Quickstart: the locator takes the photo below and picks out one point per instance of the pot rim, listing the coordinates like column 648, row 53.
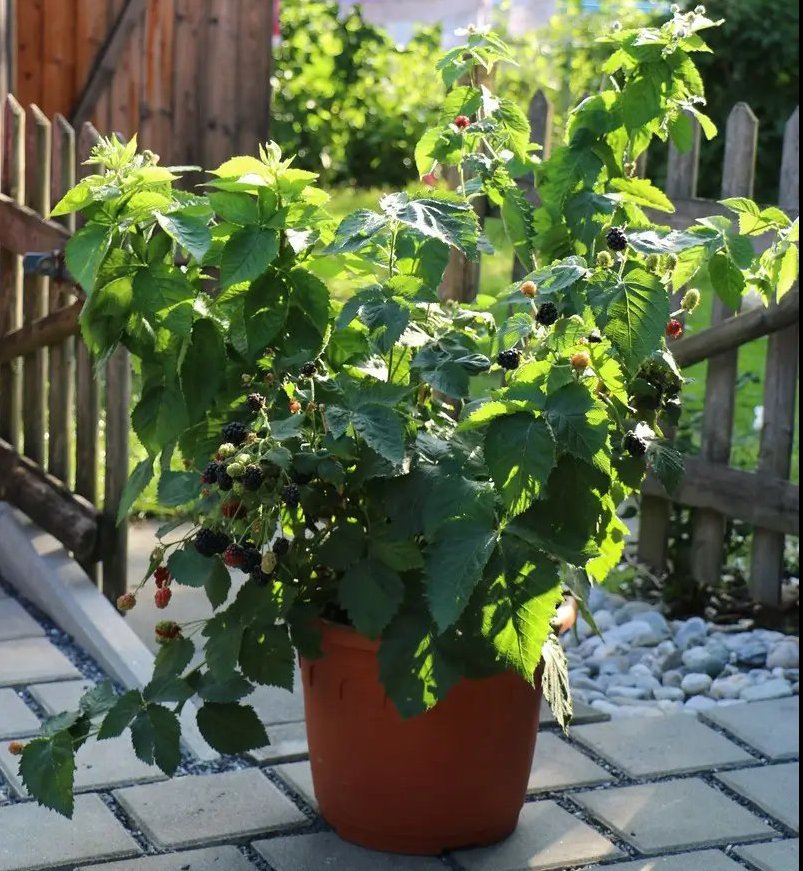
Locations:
column 346, row 636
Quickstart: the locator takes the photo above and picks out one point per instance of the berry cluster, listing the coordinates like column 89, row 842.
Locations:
column 616, row 239
column 209, row 542
column 547, row 314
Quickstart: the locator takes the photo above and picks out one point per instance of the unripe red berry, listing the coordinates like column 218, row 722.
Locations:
column 674, row 329
column 295, row 406
column 233, row 508
column 166, row 630
column 126, row 602
column 461, row 122
column 162, row 597
column 529, row 289
column 580, row 360
column 15, row 748
column 161, row 575
column 429, row 179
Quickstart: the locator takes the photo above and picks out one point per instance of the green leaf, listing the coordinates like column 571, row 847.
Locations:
column 371, row 593
column 642, row 192
column 178, row 488
column 445, row 217
column 356, row 231
column 120, row 715
column 517, row 612
column 100, row 699
column 265, row 310
column 190, row 231
column 159, row 416
column 238, row 208
column 211, row 690
column 555, row 682
column 727, row 280
column 138, row 480
column 578, row 422
column 399, row 554
column 173, row 657
column 667, row 465
column 104, row 316
column 155, row 734
column 202, row 368
column 224, row 635
column 520, row 454
column 247, row 254
column 231, row 728
column 85, row 251
column 188, row 567
column 640, row 102
column 159, row 286
column 344, row 545
column 454, row 562
column 382, row 429
column 266, row 656
column 517, row 216
column 514, row 330
column 76, row 198
column 47, row 769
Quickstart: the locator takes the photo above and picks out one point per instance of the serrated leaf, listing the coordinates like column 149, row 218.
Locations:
column 454, row 562
column 190, row 231
column 120, row 715
column 266, row 656
column 47, row 769
column 188, row 567
column 178, row 488
column 211, row 690
column 402, row 555
column 371, row 593
column 579, row 424
column 356, row 231
column 727, row 280
column 138, row 480
column 517, row 216
column 224, row 635
column 642, row 192
column 238, row 208
column 85, row 252
column 99, row 699
column 231, row 728
column 382, row 429
column 447, row 218
column 555, row 682
column 520, row 454
column 202, row 368
column 247, row 254
column 667, row 465
column 155, row 734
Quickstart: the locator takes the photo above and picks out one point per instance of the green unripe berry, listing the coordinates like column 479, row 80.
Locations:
column 690, row 301
column 604, row 260
column 671, row 262
column 227, row 450
column 242, row 459
column 237, row 488
column 235, row 470
column 653, row 262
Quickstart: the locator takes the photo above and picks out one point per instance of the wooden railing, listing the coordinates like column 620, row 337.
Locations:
column 62, row 420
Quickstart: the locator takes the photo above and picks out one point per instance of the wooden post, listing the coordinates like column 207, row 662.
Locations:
column 12, row 183
column 720, row 388
column 219, row 90
column 114, row 537
column 780, row 395
column 539, row 115
column 253, row 75
column 61, row 361
column 656, row 514
column 35, row 291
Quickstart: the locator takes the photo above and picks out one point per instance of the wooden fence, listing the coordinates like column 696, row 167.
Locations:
column 55, row 432
column 765, row 498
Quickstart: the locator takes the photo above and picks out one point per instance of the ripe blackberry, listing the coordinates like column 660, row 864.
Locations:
column 234, row 432
column 547, row 314
column 252, row 559
column 291, row 495
column 255, row 402
column 595, row 337
column 260, row 578
column 209, row 541
column 253, row 477
column 635, row 445
column 508, row 359
column 616, row 239
column 281, row 546
column 224, row 480
column 209, row 475
column 309, row 369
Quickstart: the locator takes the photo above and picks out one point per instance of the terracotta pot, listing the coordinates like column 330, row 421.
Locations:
column 455, row 776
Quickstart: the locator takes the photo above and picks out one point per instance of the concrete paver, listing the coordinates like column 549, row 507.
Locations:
column 775, row 856
column 30, row 660
column 277, row 705
column 60, row 696
column 558, row 765
column 211, row 859
column 703, row 860
column 676, row 744
column 774, row 788
column 17, row 720
column 298, row 775
column 199, row 809
column 772, row 727
column 34, row 837
column 16, row 622
column 547, row 837
column 673, row 815
column 582, row 714
column 325, row 850
column 288, row 742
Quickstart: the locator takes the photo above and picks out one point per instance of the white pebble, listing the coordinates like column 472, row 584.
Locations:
column 696, row 683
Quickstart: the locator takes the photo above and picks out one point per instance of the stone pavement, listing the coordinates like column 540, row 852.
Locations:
column 680, row 793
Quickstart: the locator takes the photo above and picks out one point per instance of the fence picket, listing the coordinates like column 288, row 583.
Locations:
column 708, row 532
column 12, row 183
column 780, row 395
column 36, row 290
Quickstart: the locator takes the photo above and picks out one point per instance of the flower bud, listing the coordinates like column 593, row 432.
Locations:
column 690, row 301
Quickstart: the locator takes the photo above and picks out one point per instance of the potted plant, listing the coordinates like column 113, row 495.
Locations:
column 407, row 485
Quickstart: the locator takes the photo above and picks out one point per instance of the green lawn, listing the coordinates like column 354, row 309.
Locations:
column 495, row 274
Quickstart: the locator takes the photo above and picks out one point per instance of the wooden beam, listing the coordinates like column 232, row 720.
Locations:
column 49, row 330
column 762, row 500
column 22, row 229
column 106, row 61
column 49, row 503
column 736, row 331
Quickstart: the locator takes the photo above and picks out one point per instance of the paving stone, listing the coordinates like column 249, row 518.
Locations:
column 288, row 742
column 547, row 837
column 774, row 788
column 327, row 850
column 703, row 860
column 557, row 765
column 31, row 660
column 674, row 744
column 190, row 811
column 16, row 622
column 298, row 775
column 582, row 714
column 98, row 765
column 775, row 856
column 34, row 837
column 275, row 705
column 211, row 859
column 772, row 727
column 17, row 720
column 673, row 815
column 62, row 695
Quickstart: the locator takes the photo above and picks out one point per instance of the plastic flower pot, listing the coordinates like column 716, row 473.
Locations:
column 455, row 776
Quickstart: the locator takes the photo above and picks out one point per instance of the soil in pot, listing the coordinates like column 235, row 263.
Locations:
column 455, row 776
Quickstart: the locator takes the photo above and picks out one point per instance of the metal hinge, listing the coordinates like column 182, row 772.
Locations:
column 47, row 263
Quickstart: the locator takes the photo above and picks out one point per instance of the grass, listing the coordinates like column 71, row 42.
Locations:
column 495, row 274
